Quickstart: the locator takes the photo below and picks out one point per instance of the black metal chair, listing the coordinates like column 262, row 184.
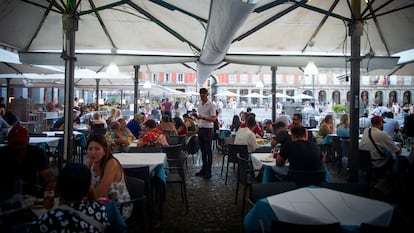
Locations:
column 345, row 147
column 143, row 173
column 136, row 189
column 306, row 178
column 245, row 175
column 226, row 155
column 175, row 170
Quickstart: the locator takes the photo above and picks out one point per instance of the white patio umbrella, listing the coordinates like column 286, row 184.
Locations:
column 254, row 95
column 280, row 95
column 302, row 96
column 227, row 93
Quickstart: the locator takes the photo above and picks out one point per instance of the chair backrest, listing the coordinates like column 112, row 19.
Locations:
column 235, row 150
column 306, row 178
column 177, row 139
column 240, row 155
column 192, row 145
column 144, row 149
column 142, row 173
column 98, row 129
column 136, row 187
column 286, row 227
column 175, row 159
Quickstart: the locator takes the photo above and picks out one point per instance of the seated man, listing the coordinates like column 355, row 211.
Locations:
column 302, row 154
column 280, row 134
column 72, row 214
column 246, row 136
column 19, row 160
column 382, row 149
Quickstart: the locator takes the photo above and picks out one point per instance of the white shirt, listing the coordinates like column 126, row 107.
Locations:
column 390, row 126
column 245, row 136
column 208, row 109
column 383, row 142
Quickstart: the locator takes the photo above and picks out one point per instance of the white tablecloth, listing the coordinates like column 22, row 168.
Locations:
column 318, row 205
column 129, row 160
column 48, row 140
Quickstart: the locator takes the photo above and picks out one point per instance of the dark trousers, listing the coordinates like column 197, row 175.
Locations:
column 205, row 136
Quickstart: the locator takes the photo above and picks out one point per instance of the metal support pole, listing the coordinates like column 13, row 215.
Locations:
column 70, row 26
column 97, row 93
column 273, row 69
column 136, row 90
column 356, row 29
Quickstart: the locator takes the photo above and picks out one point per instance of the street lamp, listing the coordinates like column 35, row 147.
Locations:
column 312, row 70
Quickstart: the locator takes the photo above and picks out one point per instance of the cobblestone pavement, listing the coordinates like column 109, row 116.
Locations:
column 212, row 205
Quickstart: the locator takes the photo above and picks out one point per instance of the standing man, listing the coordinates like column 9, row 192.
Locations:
column 206, row 117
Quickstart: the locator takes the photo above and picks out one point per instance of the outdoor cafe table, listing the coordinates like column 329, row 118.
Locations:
column 42, row 141
column 77, row 134
column 315, row 205
column 154, row 160
column 268, row 163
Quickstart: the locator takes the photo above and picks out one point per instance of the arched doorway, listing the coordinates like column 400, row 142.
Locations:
column 407, row 97
column 348, row 97
column 378, row 98
column 392, row 98
column 212, row 85
column 322, row 97
column 364, row 98
column 336, row 97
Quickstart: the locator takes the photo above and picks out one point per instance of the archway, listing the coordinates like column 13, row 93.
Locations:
column 378, row 98
column 336, row 97
column 407, row 97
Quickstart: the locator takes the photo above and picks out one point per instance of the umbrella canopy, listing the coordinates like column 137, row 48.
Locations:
column 302, row 96
column 254, row 95
column 227, row 93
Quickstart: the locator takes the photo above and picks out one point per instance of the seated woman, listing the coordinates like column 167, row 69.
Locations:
column 152, row 136
column 342, row 129
column 107, row 173
column 167, row 126
column 180, row 126
column 73, row 184
column 116, row 138
column 326, row 127
column 235, row 124
column 189, row 123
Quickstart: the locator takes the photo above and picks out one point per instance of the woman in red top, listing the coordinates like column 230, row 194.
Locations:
column 152, row 136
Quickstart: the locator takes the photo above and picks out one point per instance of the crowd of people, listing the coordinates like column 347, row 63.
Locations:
column 104, row 175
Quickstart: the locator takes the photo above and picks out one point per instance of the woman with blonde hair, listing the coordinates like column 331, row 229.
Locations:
column 342, row 129
column 326, row 127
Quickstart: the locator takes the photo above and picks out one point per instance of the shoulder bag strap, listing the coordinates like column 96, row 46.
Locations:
column 375, row 145
column 85, row 217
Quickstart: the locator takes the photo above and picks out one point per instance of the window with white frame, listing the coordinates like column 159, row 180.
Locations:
column 180, row 78
column 244, row 78
column 154, row 78
column 167, row 78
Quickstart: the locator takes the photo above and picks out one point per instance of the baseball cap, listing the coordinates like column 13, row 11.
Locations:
column 377, row 119
column 18, row 134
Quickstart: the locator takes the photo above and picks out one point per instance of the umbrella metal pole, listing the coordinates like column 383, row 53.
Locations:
column 136, row 91
column 70, row 26
column 356, row 29
column 273, row 69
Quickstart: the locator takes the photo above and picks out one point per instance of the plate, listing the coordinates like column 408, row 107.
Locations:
column 267, row 160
